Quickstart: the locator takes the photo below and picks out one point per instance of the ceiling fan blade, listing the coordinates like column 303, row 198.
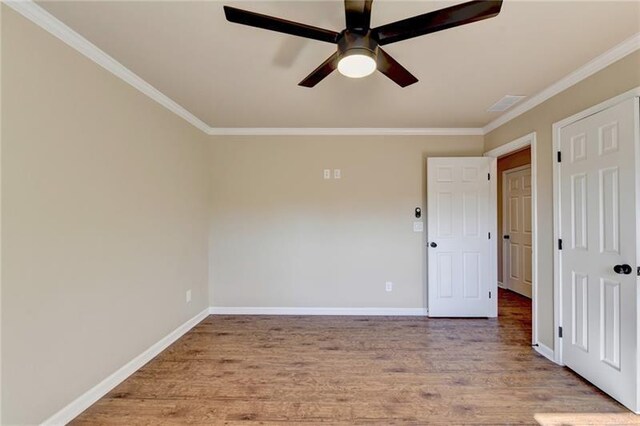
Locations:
column 392, row 69
column 266, row 22
column 358, row 14
column 326, row 68
column 438, row 20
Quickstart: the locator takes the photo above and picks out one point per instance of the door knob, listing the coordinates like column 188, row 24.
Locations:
column 623, row 269
column 433, row 245
column 506, row 237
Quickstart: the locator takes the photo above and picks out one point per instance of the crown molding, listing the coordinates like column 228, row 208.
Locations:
column 36, row 14
column 604, row 60
column 32, row 11
column 344, row 131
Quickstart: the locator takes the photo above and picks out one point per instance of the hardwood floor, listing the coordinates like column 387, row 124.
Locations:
column 352, row 370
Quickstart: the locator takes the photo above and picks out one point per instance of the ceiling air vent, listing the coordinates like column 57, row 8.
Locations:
column 505, row 103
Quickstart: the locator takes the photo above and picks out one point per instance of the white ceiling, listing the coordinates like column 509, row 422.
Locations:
column 230, row 75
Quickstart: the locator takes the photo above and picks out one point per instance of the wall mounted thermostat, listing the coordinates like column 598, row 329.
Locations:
column 418, row 212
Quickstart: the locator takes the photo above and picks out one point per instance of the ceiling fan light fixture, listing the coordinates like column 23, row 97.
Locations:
column 358, row 64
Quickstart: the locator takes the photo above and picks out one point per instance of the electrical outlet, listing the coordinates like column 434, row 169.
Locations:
column 388, row 286
column 418, row 226
column 337, row 174
column 188, row 296
column 327, row 173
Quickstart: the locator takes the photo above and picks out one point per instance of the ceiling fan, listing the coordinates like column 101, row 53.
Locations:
column 359, row 53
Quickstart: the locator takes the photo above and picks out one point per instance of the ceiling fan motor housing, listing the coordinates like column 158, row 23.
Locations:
column 352, row 43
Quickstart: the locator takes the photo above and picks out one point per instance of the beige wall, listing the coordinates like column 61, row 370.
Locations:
column 281, row 236
column 613, row 80
column 104, row 220
column 511, row 161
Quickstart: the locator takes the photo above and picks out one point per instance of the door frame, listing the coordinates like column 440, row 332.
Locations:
column 504, row 223
column 557, row 231
column 529, row 140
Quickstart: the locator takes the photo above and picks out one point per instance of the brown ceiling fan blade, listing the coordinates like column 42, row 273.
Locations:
column 392, row 69
column 258, row 20
column 460, row 14
column 358, row 15
column 326, row 68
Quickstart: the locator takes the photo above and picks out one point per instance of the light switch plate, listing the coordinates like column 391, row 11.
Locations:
column 337, row 174
column 388, row 286
column 327, row 173
column 418, row 226
column 188, row 296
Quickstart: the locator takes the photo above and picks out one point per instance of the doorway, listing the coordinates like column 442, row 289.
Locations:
column 515, row 156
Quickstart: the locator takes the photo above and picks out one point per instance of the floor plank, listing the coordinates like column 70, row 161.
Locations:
column 353, row 370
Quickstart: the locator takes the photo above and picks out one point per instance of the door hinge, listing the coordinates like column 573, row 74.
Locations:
column 560, row 332
column 560, row 244
column 488, row 176
column 559, row 157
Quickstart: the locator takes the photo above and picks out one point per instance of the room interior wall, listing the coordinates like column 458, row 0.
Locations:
column 282, row 236
column 104, row 220
column 613, row 80
column 511, row 161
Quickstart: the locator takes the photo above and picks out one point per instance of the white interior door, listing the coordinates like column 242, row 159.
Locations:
column 459, row 219
column 517, row 254
column 598, row 213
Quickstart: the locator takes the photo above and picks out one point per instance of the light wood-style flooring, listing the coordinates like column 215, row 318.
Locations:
column 352, row 370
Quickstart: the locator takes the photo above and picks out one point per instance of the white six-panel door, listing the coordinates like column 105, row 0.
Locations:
column 459, row 249
column 599, row 232
column 517, row 248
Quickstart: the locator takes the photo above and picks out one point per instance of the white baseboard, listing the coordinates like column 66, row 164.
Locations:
column 501, row 285
column 220, row 310
column 545, row 351
column 85, row 400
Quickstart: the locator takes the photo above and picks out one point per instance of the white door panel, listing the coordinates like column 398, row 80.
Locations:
column 458, row 226
column 517, row 252
column 598, row 226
